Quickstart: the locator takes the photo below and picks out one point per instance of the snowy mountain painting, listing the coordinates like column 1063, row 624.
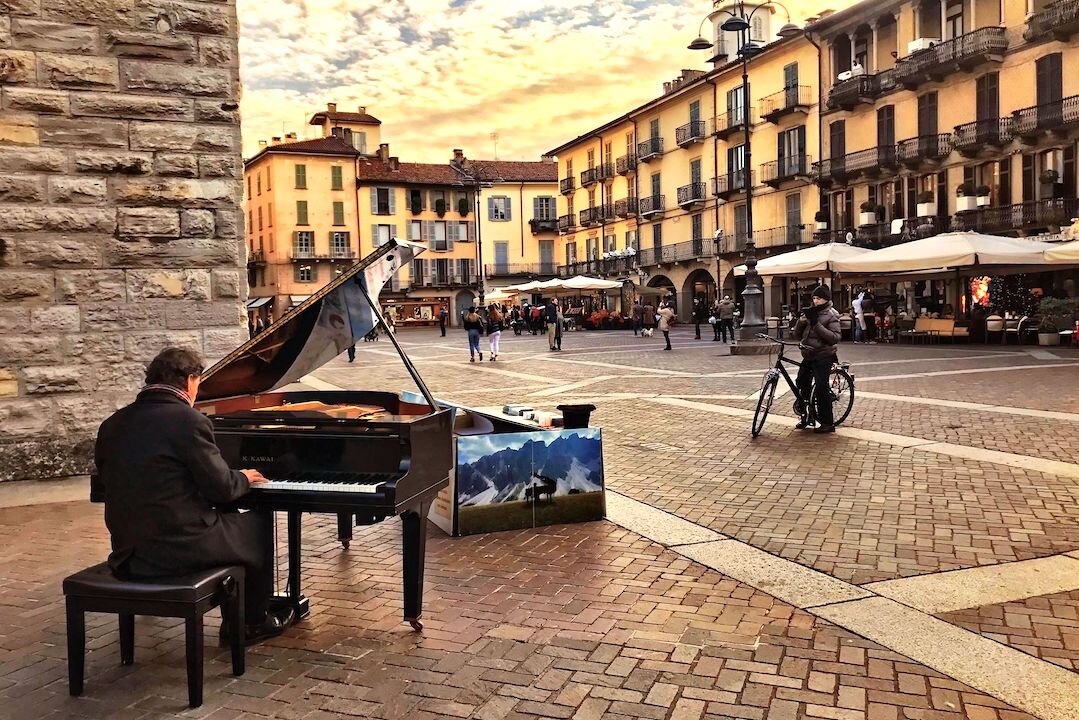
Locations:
column 521, row 480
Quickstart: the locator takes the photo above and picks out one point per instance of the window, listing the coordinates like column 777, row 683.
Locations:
column 736, row 165
column 655, row 185
column 438, row 236
column 987, row 98
column 591, row 159
column 953, row 19
column 260, row 218
column 258, row 184
column 250, row 224
column 695, row 111
column 301, row 212
column 610, row 243
column 303, row 244
column 359, row 141
column 248, row 187
column 339, row 245
column 543, row 208
column 301, row 177
column 415, row 231
column 305, row 273
column 629, row 144
column 338, row 213
column 569, row 208
column 790, row 151
column 268, row 176
column 569, row 168
column 653, row 129
column 269, row 215
column 657, row 239
column 794, row 218
column 741, row 226
column 695, row 171
column 736, row 107
column 1049, row 87
column 571, row 253
column 498, row 208
column 631, row 239
column 697, row 225
column 608, row 153
column 438, row 200
column 381, row 234
column 756, row 30
column 383, row 201
column 502, row 256
column 336, row 178
column 417, row 201
column 592, row 198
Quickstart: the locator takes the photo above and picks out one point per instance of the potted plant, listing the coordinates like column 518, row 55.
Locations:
column 1049, row 177
column 440, row 207
column 1056, row 314
column 882, row 213
column 821, row 221
column 982, row 192
column 868, row 214
column 964, row 197
column 416, row 205
column 462, row 206
column 926, row 206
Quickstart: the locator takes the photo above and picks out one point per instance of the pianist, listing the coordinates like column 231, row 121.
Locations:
column 163, row 475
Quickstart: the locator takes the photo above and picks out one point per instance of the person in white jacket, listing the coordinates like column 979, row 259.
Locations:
column 859, row 318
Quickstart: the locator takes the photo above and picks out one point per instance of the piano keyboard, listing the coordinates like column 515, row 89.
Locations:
column 337, row 482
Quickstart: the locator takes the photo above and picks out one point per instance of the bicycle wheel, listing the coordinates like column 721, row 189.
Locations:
column 841, row 385
column 764, row 403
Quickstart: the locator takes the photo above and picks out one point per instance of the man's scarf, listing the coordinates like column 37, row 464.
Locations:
column 161, row 387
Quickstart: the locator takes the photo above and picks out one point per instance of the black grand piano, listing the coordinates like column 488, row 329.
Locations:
column 364, row 456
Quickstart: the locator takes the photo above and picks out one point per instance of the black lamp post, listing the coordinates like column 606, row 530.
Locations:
column 740, row 22
column 475, row 176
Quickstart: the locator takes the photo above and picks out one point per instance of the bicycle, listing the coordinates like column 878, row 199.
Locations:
column 841, row 385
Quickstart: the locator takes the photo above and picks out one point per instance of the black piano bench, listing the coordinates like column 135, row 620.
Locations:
column 96, row 589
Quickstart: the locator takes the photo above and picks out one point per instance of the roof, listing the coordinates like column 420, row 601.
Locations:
column 345, row 117
column 517, row 171
column 330, row 145
column 374, row 170
column 854, row 11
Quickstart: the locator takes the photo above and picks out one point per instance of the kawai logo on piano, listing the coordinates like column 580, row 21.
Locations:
column 258, row 458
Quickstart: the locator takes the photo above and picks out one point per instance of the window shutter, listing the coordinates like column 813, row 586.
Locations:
column 490, row 208
column 781, row 153
column 509, row 209
column 374, row 236
column 415, row 271
column 426, row 272
column 472, row 230
column 412, row 231
column 393, row 201
column 452, row 230
column 393, row 231
column 374, row 201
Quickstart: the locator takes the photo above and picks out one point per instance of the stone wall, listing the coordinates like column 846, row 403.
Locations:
column 121, row 229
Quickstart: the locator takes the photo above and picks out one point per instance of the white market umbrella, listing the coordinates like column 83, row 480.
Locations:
column 949, row 250
column 1063, row 253
column 526, row 287
column 814, row 260
column 499, row 294
column 555, row 284
column 583, row 282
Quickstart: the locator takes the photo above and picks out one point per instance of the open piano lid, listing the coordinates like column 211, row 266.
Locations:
column 314, row 333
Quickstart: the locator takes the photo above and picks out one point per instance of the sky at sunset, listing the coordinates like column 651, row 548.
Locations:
column 442, row 74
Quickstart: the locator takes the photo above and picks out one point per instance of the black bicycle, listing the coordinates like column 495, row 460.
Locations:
column 840, row 384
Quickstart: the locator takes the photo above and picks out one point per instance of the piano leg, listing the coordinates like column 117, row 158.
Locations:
column 414, row 547
column 295, row 596
column 344, row 529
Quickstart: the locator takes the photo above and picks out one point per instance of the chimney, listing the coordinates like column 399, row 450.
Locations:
column 331, row 107
column 290, row 137
column 458, row 155
column 262, row 144
column 275, row 141
column 547, row 159
column 363, row 109
column 395, row 164
column 384, row 152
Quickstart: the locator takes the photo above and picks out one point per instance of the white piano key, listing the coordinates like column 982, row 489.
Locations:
column 320, row 487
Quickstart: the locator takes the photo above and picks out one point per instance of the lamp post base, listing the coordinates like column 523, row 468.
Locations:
column 749, row 343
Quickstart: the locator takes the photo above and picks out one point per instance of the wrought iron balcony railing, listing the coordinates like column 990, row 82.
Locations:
column 651, row 205
column 970, row 138
column 649, row 149
column 626, row 164
column 567, row 223
column 539, row 225
column 792, row 166
column 731, row 183
column 915, row 151
column 796, row 98
column 1031, row 215
column 589, row 176
column 605, row 171
column 519, row 269
column 692, row 194
column 692, row 132
column 1032, row 122
column 1060, row 21
column 626, row 207
column 987, row 44
column 567, row 185
column 845, row 94
column 733, row 121
column 783, row 235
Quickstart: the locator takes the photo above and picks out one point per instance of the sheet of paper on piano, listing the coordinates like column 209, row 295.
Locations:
column 351, row 412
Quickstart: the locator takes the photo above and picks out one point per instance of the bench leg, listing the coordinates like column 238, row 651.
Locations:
column 234, row 608
column 193, row 625
column 127, row 639
column 76, row 646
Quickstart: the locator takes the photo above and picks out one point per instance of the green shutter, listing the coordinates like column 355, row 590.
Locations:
column 301, row 176
column 393, row 201
column 374, row 236
column 301, row 212
column 336, row 180
column 338, row 213
column 374, row 201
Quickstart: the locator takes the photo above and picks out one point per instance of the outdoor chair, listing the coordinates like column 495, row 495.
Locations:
column 994, row 324
column 845, row 326
column 1016, row 328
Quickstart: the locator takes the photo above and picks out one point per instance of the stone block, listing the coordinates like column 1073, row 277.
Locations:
column 51, row 250
column 94, row 347
column 189, row 315
column 217, row 52
column 5, row 31
column 199, row 18
column 14, row 160
column 16, row 66
column 229, row 224
column 176, row 192
column 112, row 13
column 53, row 379
column 113, row 163
column 77, row 71
column 81, row 415
column 229, row 284
column 58, row 219
column 150, row 46
column 220, row 166
column 215, row 111
column 182, row 253
column 20, row 7
column 46, row 457
column 219, row 342
column 176, row 165
column 83, row 132
column 168, row 284
column 55, row 319
column 128, row 316
column 19, row 129
column 78, row 190
column 119, row 105
column 176, row 79
column 124, row 377
column 91, row 286
column 144, row 346
column 31, row 34
column 24, row 349
column 149, row 222
column 26, row 286
column 7, row 252
column 185, row 137
column 24, row 418
column 35, row 100
column 21, row 189
column 9, row 383
column 14, row 320
column 197, row 223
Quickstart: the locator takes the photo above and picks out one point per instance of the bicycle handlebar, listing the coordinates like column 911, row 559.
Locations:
column 762, row 336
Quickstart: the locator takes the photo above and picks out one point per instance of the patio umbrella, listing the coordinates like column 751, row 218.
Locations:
column 815, row 260
column 500, row 294
column 525, row 287
column 1064, row 253
column 583, row 282
column 949, row 250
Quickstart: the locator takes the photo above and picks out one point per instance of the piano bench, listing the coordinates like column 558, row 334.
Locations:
column 96, row 589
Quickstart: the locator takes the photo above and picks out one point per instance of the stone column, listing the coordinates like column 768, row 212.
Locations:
column 874, row 49
column 120, row 223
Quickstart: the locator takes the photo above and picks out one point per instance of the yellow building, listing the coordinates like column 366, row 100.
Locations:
column 668, row 178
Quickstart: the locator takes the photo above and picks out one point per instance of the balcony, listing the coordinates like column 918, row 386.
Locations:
column 733, row 122
column 567, row 223
column 787, row 101
column 520, row 270
column 590, row 217
column 542, row 225
column 727, row 186
column 735, row 243
column 692, row 132
column 333, row 255
column 649, row 149
column 1034, row 122
column 445, row 279
column 566, row 186
column 696, row 249
column 1060, row 22
column 342, row 254
column 915, row 152
column 971, row 138
column 256, row 258
column 785, row 235
column 846, row 94
column 691, row 196
column 652, row 206
column 589, row 177
column 626, row 164
column 1027, row 216
column 610, row 266
column 777, row 172
column 871, row 163
column 965, row 52
column 605, row 171
column 626, row 207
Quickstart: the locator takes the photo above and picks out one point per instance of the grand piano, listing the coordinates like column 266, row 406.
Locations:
column 364, row 456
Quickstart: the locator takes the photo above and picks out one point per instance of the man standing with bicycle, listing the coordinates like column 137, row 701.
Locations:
column 818, row 333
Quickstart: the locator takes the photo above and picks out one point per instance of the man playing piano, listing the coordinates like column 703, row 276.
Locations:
column 163, row 476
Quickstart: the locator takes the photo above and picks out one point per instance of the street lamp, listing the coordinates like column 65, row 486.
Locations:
column 740, row 21
column 476, row 177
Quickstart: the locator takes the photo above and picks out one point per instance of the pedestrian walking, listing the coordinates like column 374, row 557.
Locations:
column 666, row 315
column 352, row 352
column 559, row 325
column 869, row 312
column 638, row 316
column 495, row 326
column 700, row 315
column 818, row 334
column 726, row 309
column 443, row 315
column 473, row 324
column 550, row 318
column 714, row 320
column 859, row 318
column 649, row 319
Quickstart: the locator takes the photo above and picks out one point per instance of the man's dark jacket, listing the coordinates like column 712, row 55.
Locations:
column 163, row 474
column 550, row 314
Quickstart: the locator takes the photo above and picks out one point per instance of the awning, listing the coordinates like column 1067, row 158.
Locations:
column 256, row 303
column 814, row 260
column 583, row 282
column 1064, row 253
column 949, row 250
column 297, row 299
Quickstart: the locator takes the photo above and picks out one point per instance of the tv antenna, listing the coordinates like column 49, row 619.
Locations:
column 494, row 138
